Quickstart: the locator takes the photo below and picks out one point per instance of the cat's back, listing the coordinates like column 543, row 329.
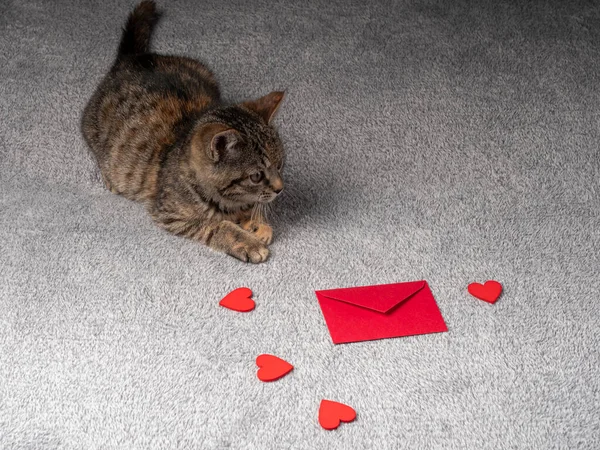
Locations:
column 138, row 111
column 185, row 78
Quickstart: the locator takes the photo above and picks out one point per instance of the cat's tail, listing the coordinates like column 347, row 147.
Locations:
column 138, row 29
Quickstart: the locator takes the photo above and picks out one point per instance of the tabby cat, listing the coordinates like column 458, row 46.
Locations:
column 161, row 136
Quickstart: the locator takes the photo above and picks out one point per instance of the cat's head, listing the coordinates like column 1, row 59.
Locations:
column 237, row 154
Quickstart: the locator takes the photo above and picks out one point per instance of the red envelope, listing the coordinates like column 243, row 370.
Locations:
column 377, row 312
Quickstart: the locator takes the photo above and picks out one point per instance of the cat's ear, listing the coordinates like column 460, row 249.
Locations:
column 266, row 106
column 217, row 140
column 224, row 143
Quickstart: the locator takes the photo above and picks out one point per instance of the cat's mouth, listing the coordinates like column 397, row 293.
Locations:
column 267, row 197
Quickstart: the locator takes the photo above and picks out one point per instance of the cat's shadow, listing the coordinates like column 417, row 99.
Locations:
column 311, row 198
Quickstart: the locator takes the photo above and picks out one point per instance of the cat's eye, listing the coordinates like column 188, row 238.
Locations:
column 256, row 177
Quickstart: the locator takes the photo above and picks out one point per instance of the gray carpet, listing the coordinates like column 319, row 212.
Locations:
column 425, row 141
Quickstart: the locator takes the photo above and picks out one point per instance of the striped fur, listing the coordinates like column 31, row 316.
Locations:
column 161, row 136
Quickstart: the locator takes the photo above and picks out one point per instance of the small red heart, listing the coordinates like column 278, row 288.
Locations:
column 332, row 413
column 239, row 300
column 488, row 292
column 272, row 368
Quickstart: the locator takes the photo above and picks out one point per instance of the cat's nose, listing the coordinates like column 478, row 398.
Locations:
column 277, row 185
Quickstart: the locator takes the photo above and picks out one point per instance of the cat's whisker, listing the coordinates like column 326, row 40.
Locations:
column 265, row 211
column 268, row 207
column 254, row 212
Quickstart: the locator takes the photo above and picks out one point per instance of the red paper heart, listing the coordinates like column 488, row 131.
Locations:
column 488, row 292
column 272, row 368
column 332, row 413
column 239, row 300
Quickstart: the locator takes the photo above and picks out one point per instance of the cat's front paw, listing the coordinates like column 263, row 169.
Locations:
column 261, row 230
column 251, row 251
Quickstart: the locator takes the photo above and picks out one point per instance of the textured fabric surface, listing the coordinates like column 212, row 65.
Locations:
column 446, row 141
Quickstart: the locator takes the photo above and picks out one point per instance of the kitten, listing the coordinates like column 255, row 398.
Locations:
column 161, row 136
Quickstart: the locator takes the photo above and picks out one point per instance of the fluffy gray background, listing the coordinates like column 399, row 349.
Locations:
column 425, row 141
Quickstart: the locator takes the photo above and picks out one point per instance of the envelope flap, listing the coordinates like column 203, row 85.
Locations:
column 381, row 298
